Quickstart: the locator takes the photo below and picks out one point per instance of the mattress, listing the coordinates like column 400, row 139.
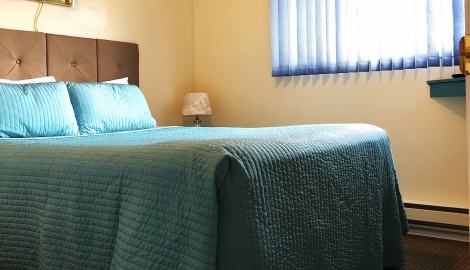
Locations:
column 298, row 197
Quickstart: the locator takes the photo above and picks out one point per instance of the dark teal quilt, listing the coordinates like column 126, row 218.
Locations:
column 300, row 197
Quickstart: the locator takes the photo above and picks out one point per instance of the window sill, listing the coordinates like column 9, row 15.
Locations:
column 454, row 87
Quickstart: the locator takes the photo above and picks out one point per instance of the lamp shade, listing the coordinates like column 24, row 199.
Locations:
column 196, row 104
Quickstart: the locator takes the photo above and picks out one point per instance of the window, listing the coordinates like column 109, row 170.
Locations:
column 340, row 36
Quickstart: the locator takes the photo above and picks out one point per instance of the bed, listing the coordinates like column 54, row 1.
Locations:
column 296, row 197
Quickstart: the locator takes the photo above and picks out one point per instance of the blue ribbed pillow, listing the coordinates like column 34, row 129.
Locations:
column 105, row 108
column 36, row 110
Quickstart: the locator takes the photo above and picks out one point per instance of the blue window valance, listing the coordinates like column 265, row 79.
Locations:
column 340, row 36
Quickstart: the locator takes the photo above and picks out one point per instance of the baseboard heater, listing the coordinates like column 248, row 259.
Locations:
column 435, row 208
column 438, row 221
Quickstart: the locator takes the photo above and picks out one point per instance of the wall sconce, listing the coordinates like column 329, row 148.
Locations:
column 67, row 3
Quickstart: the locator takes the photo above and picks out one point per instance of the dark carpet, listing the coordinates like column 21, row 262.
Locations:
column 435, row 254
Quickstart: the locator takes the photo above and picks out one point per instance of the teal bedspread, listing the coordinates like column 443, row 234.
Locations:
column 300, row 197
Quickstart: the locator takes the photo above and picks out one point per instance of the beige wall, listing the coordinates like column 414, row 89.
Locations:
column 232, row 59
column 162, row 28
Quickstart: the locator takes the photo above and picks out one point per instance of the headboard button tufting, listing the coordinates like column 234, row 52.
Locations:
column 119, row 67
column 18, row 61
column 73, row 64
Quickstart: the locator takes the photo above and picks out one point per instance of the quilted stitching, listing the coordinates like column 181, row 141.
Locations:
column 105, row 108
column 305, row 197
column 36, row 110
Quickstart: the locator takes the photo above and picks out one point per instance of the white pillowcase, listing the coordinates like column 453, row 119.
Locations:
column 28, row 81
column 119, row 81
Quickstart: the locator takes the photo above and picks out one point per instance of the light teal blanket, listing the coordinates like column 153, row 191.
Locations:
column 301, row 197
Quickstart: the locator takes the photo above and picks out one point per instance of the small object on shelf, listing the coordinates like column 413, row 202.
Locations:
column 447, row 88
column 458, row 75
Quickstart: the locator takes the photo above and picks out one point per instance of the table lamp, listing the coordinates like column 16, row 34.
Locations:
column 196, row 104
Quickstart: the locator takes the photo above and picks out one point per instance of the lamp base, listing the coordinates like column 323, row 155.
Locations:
column 197, row 122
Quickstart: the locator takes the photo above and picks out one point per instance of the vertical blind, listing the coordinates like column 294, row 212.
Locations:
column 339, row 36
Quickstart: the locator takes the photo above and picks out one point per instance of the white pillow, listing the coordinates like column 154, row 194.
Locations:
column 28, row 81
column 119, row 81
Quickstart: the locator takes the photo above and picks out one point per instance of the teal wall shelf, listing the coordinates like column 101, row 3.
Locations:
column 454, row 87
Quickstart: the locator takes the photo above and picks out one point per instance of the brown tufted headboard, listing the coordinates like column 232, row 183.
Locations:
column 26, row 55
